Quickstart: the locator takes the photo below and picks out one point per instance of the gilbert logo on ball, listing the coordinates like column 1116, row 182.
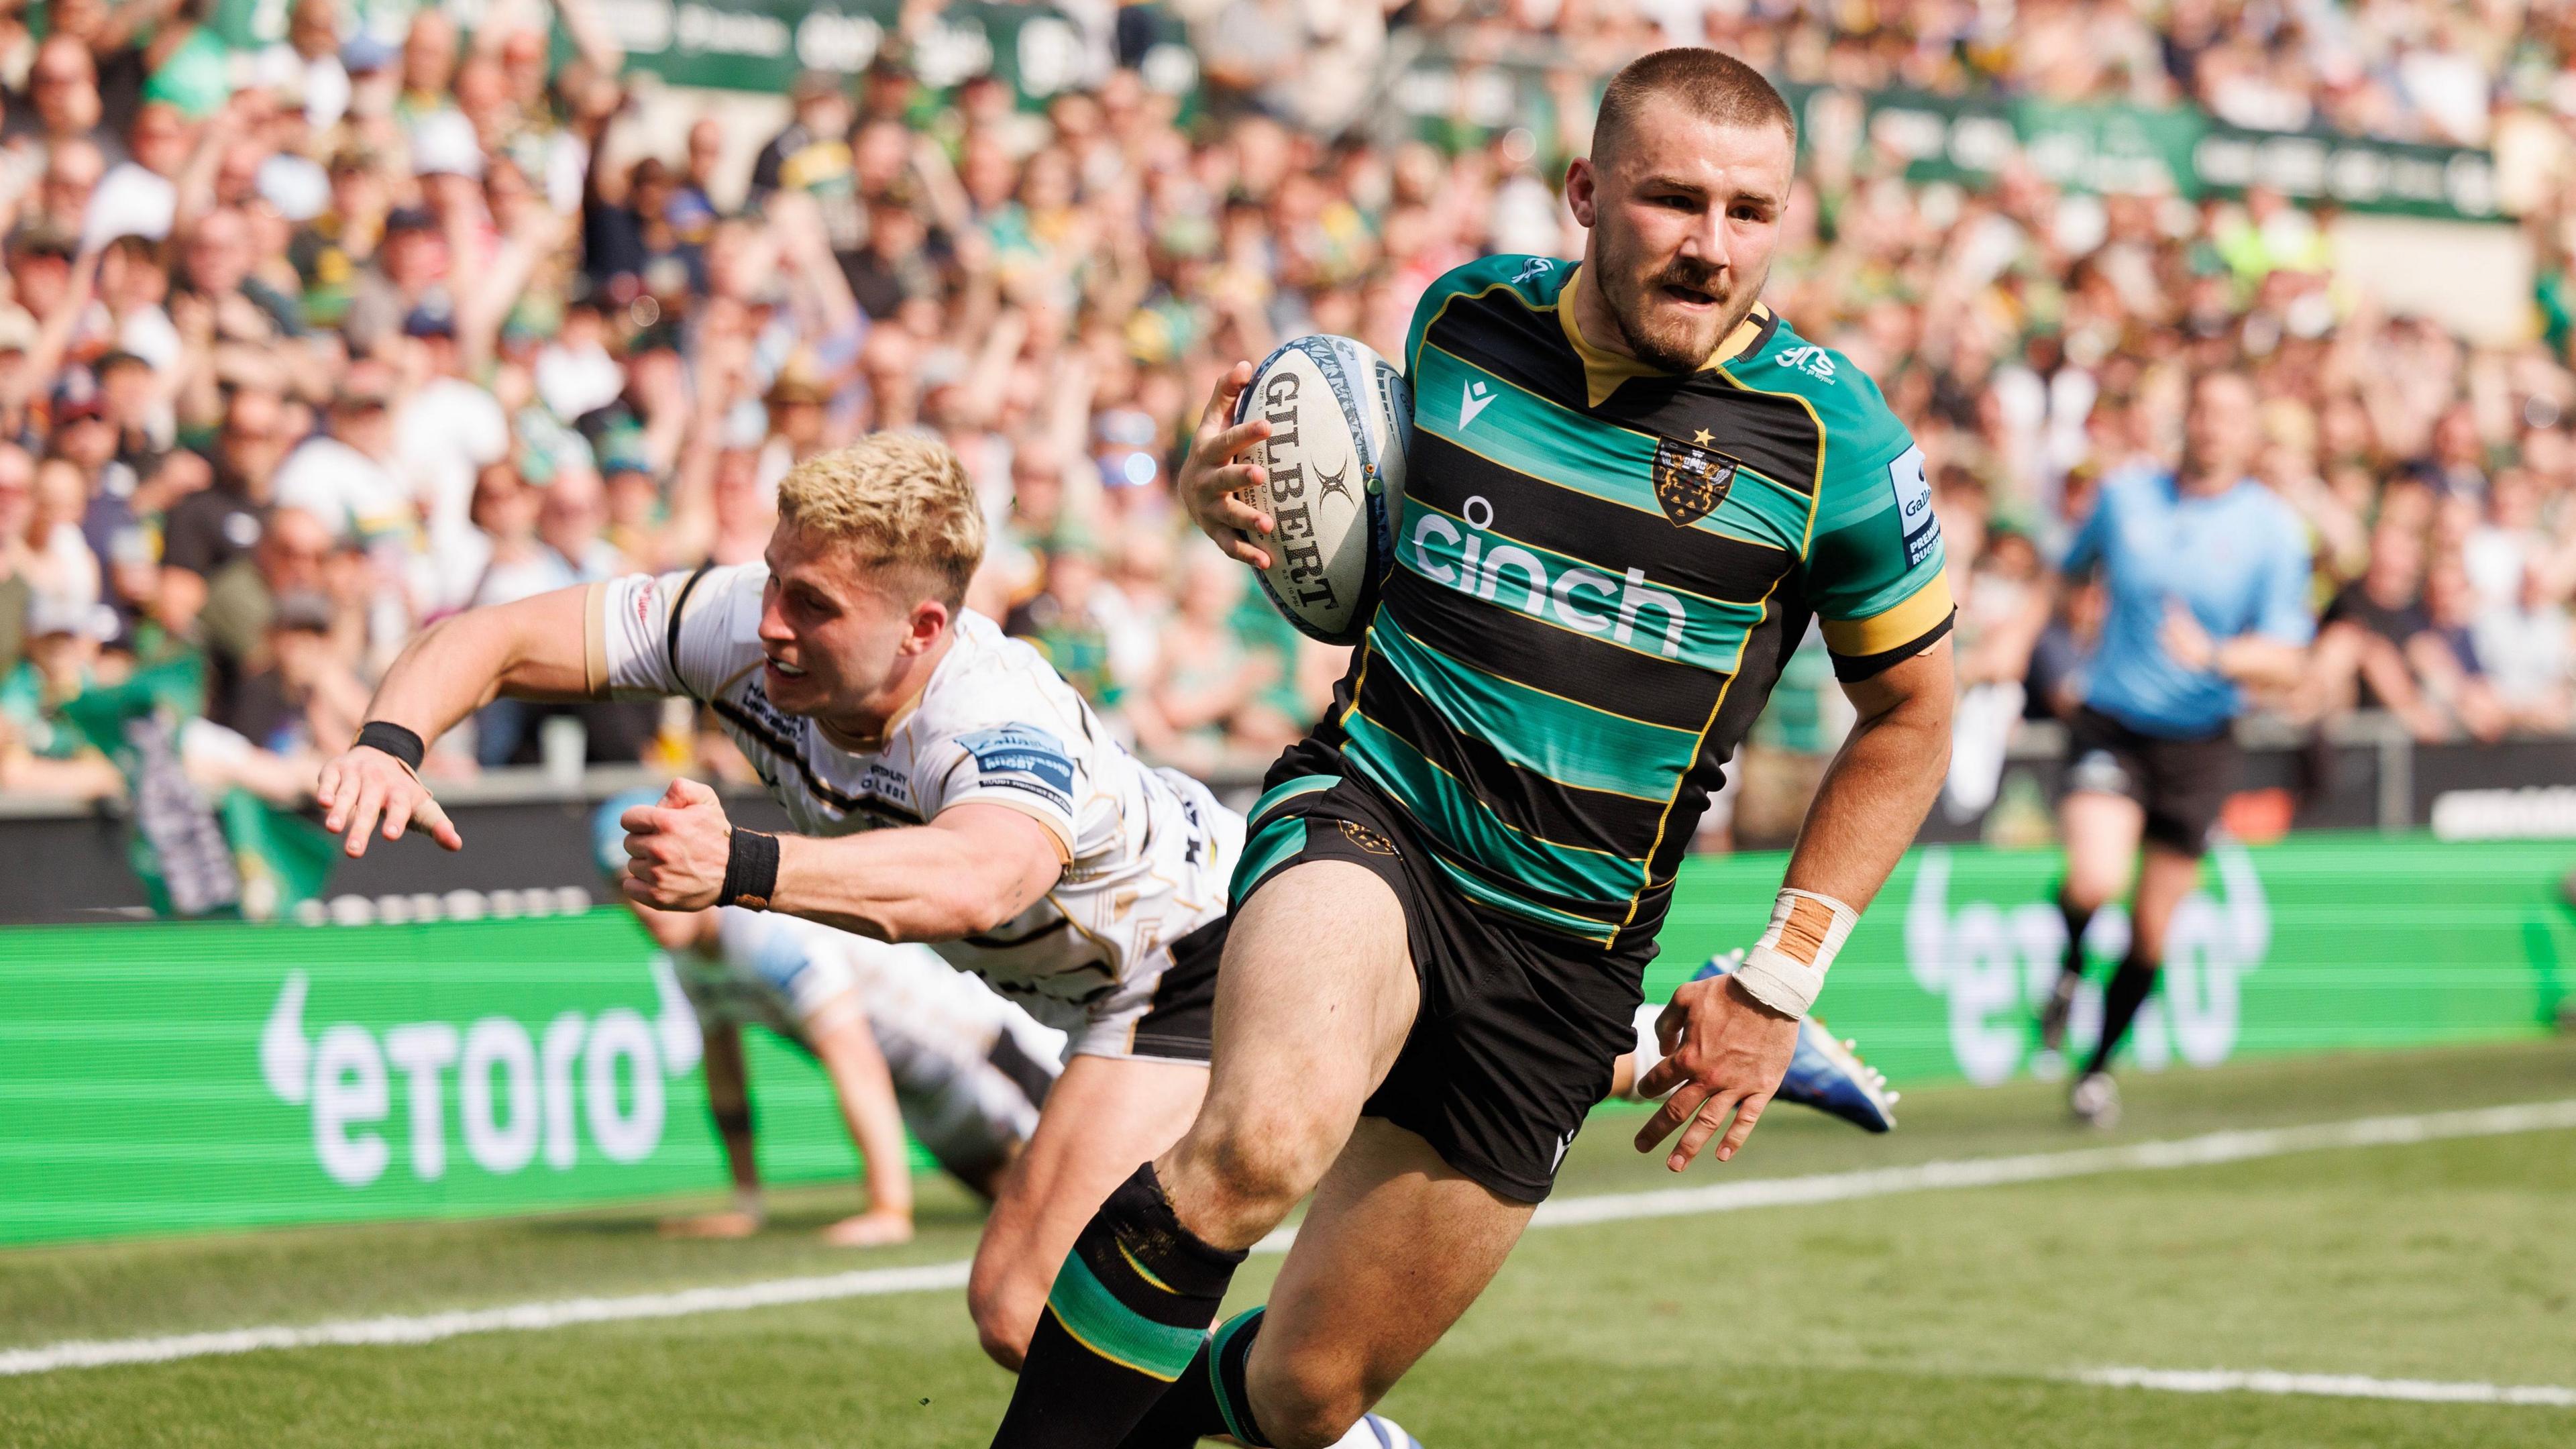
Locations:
column 1340, row 418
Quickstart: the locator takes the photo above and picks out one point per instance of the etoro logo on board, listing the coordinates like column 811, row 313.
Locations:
column 521, row 1092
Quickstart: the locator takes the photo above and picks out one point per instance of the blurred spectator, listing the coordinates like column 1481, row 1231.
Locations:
column 304, row 700
column 2529, row 655
column 208, row 529
column 288, row 556
column 39, row 752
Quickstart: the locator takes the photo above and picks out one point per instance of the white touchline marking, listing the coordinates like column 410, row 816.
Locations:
column 2332, row 1386
column 2215, row 1147
column 522, row 1317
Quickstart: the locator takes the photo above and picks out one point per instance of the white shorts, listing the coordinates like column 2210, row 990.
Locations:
column 974, row 1123
column 1167, row 1016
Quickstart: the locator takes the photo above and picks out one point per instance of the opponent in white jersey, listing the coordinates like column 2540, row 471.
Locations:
column 1147, row 851
column 948, row 787
column 908, row 1043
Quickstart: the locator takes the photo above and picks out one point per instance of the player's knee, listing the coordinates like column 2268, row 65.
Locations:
column 1247, row 1170
column 1307, row 1406
column 2090, row 885
column 1005, row 1308
column 1003, row 1323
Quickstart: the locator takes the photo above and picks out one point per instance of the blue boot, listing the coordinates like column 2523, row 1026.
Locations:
column 1825, row 1074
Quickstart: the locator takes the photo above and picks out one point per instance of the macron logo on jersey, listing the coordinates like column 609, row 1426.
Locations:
column 1474, row 398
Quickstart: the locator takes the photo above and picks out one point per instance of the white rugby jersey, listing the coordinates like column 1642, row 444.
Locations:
column 933, row 1024
column 1147, row 851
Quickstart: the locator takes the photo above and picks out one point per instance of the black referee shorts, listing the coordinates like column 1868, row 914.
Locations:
column 1518, row 1026
column 2182, row 784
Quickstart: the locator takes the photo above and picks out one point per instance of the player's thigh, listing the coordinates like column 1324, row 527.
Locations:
column 1394, row 1249
column 2101, row 829
column 1103, row 1117
column 2167, row 875
column 1315, row 999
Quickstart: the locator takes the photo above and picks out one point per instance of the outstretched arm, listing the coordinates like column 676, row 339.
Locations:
column 536, row 648
column 865, row 1087
column 967, row 871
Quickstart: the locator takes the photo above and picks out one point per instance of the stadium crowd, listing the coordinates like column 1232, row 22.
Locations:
column 305, row 347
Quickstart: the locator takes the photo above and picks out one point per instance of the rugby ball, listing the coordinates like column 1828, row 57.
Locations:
column 1340, row 419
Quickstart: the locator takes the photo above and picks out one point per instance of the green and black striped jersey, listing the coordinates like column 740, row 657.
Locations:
column 1599, row 572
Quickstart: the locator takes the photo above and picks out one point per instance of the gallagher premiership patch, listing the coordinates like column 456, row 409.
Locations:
column 1922, row 529
column 1016, row 751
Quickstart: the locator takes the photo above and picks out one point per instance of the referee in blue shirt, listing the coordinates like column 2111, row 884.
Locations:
column 2207, row 576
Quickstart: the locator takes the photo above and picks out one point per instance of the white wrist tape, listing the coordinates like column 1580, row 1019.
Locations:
column 1785, row 970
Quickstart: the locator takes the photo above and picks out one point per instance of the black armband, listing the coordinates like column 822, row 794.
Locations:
column 751, row 871
column 394, row 740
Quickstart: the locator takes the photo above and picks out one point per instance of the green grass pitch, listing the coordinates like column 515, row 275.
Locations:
column 1925, row 1319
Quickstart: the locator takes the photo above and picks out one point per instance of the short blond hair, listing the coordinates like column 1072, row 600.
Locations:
column 899, row 498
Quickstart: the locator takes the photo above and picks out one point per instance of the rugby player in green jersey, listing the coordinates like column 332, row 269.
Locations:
column 1630, row 488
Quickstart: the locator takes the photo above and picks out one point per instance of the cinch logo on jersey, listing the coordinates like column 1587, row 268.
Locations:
column 1022, row 759
column 1459, row 553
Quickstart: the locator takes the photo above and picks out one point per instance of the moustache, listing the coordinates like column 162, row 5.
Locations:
column 1690, row 276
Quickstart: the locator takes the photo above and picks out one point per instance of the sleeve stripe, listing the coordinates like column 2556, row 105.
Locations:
column 679, row 611
column 1925, row 608
column 594, row 641
column 1054, row 825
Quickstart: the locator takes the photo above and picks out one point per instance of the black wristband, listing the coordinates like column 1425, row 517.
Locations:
column 751, row 871
column 394, row 740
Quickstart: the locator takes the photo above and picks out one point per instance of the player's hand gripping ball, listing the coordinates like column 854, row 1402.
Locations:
column 1298, row 470
column 676, row 848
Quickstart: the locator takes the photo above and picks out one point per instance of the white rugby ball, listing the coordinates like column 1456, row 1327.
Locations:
column 1340, row 419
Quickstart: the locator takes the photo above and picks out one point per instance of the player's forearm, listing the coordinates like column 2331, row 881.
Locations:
column 459, row 665
column 1873, row 798
column 916, row 884
column 868, row 1106
column 2261, row 662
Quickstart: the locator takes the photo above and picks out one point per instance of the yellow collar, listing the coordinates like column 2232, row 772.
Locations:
column 1604, row 371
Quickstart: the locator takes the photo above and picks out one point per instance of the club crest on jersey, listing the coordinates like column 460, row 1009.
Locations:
column 1366, row 839
column 1690, row 481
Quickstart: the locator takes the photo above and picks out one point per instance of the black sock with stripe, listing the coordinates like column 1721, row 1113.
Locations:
column 2079, row 919
column 1209, row 1399
column 2130, row 986
column 1127, row 1318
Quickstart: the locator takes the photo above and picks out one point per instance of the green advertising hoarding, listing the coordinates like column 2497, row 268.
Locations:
column 760, row 45
column 1457, row 100
column 162, row 1078
column 156, row 1078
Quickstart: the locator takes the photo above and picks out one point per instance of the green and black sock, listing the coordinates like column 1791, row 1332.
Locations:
column 1209, row 1399
column 1126, row 1320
